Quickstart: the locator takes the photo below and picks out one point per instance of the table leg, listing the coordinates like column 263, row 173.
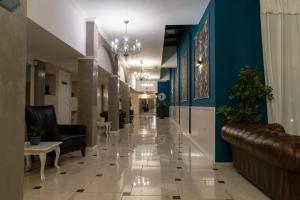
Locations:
column 57, row 154
column 43, row 163
column 106, row 130
column 28, row 163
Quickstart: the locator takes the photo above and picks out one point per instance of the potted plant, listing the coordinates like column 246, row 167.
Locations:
column 35, row 135
column 247, row 94
column 162, row 106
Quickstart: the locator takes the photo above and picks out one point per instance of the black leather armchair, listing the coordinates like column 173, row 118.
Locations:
column 73, row 137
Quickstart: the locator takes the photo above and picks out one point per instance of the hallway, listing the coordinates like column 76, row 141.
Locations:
column 150, row 161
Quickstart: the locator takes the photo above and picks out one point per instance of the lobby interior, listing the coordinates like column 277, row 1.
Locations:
column 149, row 99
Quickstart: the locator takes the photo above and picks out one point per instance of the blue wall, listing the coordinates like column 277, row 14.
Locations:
column 235, row 41
column 164, row 87
column 238, row 43
column 172, row 85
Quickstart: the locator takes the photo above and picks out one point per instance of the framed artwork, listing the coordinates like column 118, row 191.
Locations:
column 176, row 83
column 201, row 75
column 184, row 85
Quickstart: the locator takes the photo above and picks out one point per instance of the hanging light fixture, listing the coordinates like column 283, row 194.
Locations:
column 141, row 76
column 124, row 46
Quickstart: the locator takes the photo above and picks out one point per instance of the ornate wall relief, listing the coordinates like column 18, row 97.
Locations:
column 202, row 62
column 184, row 85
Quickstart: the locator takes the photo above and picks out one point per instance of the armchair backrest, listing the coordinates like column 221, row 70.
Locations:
column 40, row 117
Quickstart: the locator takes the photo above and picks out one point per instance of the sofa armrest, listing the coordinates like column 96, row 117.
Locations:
column 72, row 129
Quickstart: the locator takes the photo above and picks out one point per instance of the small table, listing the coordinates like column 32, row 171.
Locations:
column 106, row 125
column 41, row 150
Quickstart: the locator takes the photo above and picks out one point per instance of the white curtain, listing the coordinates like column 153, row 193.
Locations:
column 280, row 21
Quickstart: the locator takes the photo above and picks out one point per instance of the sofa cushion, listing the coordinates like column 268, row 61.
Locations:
column 274, row 147
column 69, row 140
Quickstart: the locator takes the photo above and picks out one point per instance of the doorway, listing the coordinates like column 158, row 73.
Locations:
column 64, row 95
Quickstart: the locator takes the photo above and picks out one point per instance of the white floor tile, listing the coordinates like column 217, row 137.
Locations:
column 150, row 160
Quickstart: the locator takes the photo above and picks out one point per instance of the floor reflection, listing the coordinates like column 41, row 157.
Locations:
column 150, row 160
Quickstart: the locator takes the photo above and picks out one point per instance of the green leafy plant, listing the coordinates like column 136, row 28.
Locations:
column 163, row 104
column 247, row 93
column 36, row 132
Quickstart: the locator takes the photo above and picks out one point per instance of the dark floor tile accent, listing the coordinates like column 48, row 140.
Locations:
column 126, row 193
column 179, row 167
column 122, row 156
column 112, row 164
column 177, row 179
column 95, row 155
column 176, row 197
column 62, row 173
column 81, row 163
column 222, row 182
column 179, row 158
column 99, row 175
column 37, row 187
column 80, row 190
column 180, row 152
column 215, row 169
column 104, row 149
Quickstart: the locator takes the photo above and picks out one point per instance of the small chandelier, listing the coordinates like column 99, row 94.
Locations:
column 141, row 76
column 124, row 46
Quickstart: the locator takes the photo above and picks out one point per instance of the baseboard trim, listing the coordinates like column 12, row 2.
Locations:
column 91, row 148
column 188, row 136
column 224, row 164
column 115, row 132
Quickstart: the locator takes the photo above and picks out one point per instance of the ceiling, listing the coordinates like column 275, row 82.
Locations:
column 42, row 45
column 148, row 20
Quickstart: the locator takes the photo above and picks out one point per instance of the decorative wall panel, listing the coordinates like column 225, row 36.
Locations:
column 202, row 62
column 184, row 85
column 176, row 91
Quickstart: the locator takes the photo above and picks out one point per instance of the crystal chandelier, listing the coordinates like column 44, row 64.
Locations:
column 124, row 46
column 141, row 76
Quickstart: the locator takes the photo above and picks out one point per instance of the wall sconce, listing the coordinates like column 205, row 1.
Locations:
column 199, row 64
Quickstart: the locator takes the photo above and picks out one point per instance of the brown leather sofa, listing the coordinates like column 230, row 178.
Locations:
column 266, row 156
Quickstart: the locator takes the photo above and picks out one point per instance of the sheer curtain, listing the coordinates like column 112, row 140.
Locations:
column 280, row 21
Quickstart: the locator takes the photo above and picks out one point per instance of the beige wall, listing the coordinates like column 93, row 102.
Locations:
column 12, row 101
column 53, row 98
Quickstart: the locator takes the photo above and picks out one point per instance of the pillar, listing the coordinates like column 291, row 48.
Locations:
column 125, row 95
column 87, row 97
column 12, row 100
column 88, row 85
column 113, row 102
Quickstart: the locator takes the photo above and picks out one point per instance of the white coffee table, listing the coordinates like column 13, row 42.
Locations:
column 41, row 150
column 106, row 125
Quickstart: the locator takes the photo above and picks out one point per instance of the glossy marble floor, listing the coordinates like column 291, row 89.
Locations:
column 150, row 160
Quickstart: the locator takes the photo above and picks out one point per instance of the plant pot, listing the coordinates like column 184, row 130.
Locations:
column 36, row 140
